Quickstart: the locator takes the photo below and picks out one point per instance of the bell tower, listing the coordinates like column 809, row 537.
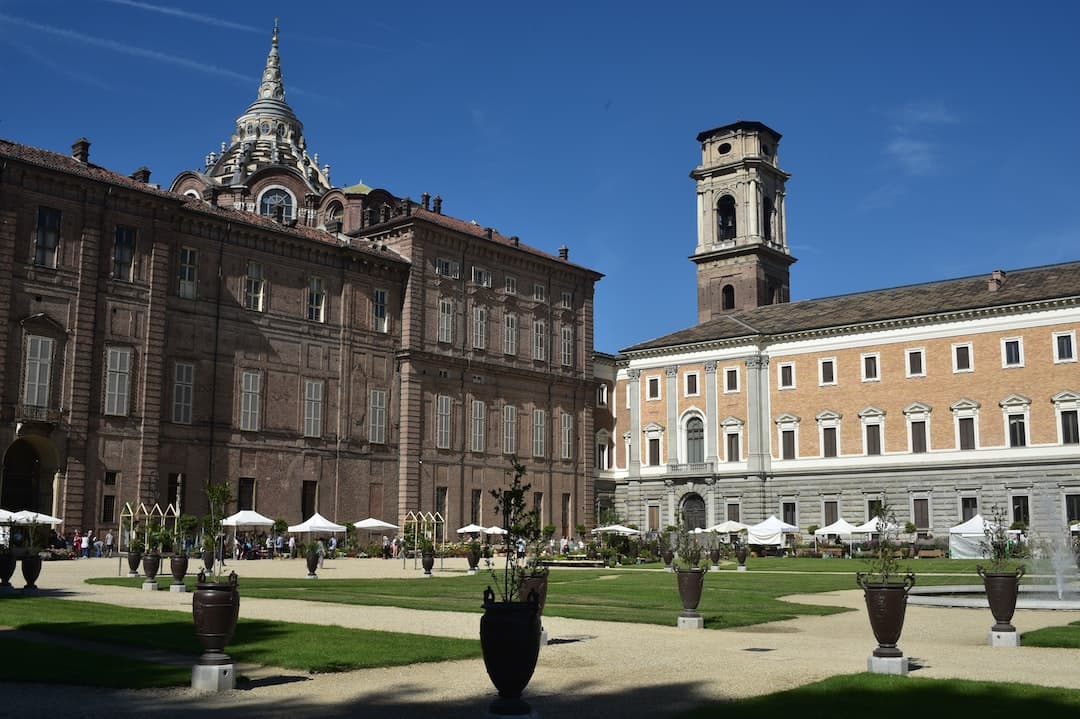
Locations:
column 742, row 254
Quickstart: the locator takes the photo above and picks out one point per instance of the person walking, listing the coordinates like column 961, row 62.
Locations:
column 86, row 545
column 292, row 547
column 109, row 543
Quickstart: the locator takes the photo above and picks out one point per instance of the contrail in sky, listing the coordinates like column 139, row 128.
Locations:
column 184, row 14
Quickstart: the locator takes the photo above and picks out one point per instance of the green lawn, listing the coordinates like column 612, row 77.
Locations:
column 1067, row 636
column 310, row 647
column 25, row 660
column 893, row 697
column 730, row 599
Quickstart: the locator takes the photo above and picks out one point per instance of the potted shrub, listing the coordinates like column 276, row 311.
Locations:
column 690, row 572
column 510, row 628
column 667, row 552
column 427, row 555
column 740, row 554
column 156, row 538
column 27, row 540
column 136, row 546
column 473, row 555
column 173, row 545
column 310, row 552
column 1001, row 577
column 885, row 589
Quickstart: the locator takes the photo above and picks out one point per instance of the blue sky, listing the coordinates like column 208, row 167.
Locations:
column 926, row 139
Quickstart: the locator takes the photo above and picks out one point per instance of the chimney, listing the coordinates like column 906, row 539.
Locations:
column 515, row 240
column 564, row 252
column 489, row 232
column 408, row 206
column 997, row 280
column 438, row 204
column 142, row 175
column 80, row 150
column 425, row 201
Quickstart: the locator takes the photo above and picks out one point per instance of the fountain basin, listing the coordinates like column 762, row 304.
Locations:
column 1032, row 596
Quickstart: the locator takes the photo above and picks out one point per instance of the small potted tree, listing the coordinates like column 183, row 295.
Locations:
column 473, row 555
column 885, row 591
column 427, row 555
column 136, row 546
column 1001, row 578
column 690, row 572
column 215, row 604
column 510, row 628
column 667, row 551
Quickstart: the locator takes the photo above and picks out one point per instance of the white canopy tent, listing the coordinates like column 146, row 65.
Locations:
column 373, row 525
column 770, row 532
column 729, row 526
column 966, row 538
column 6, row 517
column 315, row 524
column 616, row 529
column 25, row 516
column 247, row 518
column 841, row 528
column 1075, row 527
column 876, row 526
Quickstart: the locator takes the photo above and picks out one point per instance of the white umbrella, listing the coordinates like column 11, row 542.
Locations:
column 6, row 516
column 616, row 529
column 470, row 528
column 373, row 524
column 247, row 518
column 27, row 517
column 495, row 530
column 316, row 523
column 729, row 526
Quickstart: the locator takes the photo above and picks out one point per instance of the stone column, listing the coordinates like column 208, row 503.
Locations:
column 673, row 519
column 710, row 502
column 757, row 421
column 634, row 467
column 672, row 401
column 712, row 421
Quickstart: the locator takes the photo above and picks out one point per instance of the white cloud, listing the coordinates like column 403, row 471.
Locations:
column 915, row 157
column 924, row 112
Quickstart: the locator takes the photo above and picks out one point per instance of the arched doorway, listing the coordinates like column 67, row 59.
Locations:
column 693, row 511
column 27, row 480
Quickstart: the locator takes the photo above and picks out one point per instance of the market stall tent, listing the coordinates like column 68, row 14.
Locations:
column 966, row 539
column 770, row 532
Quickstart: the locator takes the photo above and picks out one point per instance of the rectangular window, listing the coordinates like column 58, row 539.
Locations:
column 447, row 268
column 652, row 385
column 48, row 237
column 539, row 340
column 481, row 277
column 788, row 510
column 309, row 498
column 918, row 437
column 568, row 300
column 691, row 384
column 601, row 395
column 1072, row 508
column 187, row 274
column 827, row 371
column 254, row 287
column 873, row 439
column 1017, row 430
column 915, row 366
column 870, row 368
column 108, row 509
column 567, row 346
column 654, row 516
column 110, row 478
column 920, row 513
column 654, row 451
column 183, row 391
column 1012, row 352
column 117, row 380
column 316, row 300
column 831, row 512
column 731, row 380
column 39, row 352
column 873, row 508
column 441, row 495
column 969, row 507
column 540, row 293
column 446, row 320
column 245, row 495
column 539, row 432
column 966, row 426
column 828, row 441
column 733, row 511
column 1070, row 433
column 1021, row 509
column 479, row 333
column 381, row 320
column 173, row 488
column 511, row 285
column 733, row 447
column 1064, row 347
column 510, row 334
column 442, row 422
column 124, row 253
column 509, row 429
column 787, row 437
column 476, row 496
column 601, row 456
column 313, row 407
column 538, row 505
column 566, row 432
column 962, row 358
column 377, row 416
column 564, row 515
column 479, row 426
column 250, row 400
column 787, row 376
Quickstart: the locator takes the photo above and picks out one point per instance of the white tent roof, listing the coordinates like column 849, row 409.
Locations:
column 772, row 525
column 841, row 526
column 872, row 527
column 6, row 516
column 317, row 523
column 25, row 516
column 470, row 528
column 974, row 527
column 1075, row 527
column 615, row 529
column 495, row 530
column 729, row 526
column 374, row 524
column 247, row 518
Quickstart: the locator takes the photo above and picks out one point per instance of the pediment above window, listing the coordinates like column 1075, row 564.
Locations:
column 870, row 412
column 828, row 415
column 1066, row 397
column 788, row 418
column 42, row 322
column 917, row 408
column 964, row 405
column 1015, row 400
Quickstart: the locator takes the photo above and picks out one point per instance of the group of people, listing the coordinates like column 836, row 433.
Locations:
column 86, row 545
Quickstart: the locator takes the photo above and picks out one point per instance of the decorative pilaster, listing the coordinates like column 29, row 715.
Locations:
column 757, row 421
column 712, row 421
column 671, row 374
column 634, row 468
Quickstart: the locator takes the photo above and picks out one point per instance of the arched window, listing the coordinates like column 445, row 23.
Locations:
column 767, row 219
column 693, row 511
column 277, row 203
column 727, row 300
column 725, row 218
column 695, row 441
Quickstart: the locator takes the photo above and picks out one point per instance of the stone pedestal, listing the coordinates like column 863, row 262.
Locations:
column 742, row 568
column 216, row 678
column 133, row 574
column 697, row 622
column 149, row 585
column 715, row 567
column 887, row 665
column 177, row 588
column 1003, row 639
column 543, row 637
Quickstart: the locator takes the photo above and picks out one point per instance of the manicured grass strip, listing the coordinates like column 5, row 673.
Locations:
column 892, row 697
column 309, row 647
column 1067, row 637
column 28, row 661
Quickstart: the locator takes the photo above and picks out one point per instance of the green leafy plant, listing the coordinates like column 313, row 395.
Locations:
column 688, row 553
column 997, row 545
column 520, row 522
column 883, row 565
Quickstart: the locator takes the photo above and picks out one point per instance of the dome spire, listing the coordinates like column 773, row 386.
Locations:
column 271, row 87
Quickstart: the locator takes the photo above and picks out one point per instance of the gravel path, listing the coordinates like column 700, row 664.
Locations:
column 594, row 669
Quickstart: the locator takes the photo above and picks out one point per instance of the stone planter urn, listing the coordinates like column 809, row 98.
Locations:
column 427, row 561
column 740, row 556
column 714, row 557
column 510, row 642
column 1002, row 589
column 312, row 561
column 151, row 566
column 886, row 604
column 208, row 560
column 178, row 566
column 215, row 607
column 474, row 559
column 668, row 556
column 691, row 582
column 133, row 560
column 31, row 570
column 7, row 569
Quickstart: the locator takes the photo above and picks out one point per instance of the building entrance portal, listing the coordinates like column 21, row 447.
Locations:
column 693, row 511
column 23, row 484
